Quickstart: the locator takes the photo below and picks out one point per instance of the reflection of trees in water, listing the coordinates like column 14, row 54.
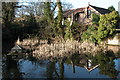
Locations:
column 11, row 70
column 107, row 65
column 108, row 69
column 74, row 59
column 61, row 67
column 106, row 61
column 50, row 69
column 35, row 62
column 53, row 72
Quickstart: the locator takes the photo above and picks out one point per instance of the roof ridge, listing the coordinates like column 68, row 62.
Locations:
column 99, row 7
column 100, row 10
column 75, row 9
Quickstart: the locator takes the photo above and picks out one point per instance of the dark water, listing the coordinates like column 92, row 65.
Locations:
column 74, row 66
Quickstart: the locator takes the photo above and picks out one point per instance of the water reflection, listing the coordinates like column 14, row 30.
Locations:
column 74, row 66
column 50, row 69
column 11, row 69
column 107, row 65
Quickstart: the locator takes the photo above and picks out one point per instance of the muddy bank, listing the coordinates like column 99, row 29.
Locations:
column 41, row 48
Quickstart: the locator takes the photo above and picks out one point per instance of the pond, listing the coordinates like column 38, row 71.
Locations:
column 74, row 66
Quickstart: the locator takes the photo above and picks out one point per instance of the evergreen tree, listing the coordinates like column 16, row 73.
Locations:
column 49, row 15
column 60, row 17
column 111, row 8
column 95, row 18
column 68, row 33
column 105, row 28
column 107, row 25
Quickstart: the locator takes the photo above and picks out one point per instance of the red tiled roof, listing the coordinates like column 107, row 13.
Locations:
column 78, row 10
column 72, row 11
column 68, row 12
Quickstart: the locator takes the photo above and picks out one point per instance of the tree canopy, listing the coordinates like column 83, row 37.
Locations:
column 105, row 28
column 107, row 25
column 111, row 8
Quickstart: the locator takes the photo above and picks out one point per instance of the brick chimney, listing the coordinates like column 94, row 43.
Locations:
column 88, row 3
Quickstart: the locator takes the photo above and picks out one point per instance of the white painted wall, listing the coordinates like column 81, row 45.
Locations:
column 119, row 7
column 113, row 42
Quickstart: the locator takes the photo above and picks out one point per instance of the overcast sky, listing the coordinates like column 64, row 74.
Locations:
column 99, row 3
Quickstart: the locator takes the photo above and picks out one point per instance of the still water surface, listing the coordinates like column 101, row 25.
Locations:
column 74, row 66
column 38, row 71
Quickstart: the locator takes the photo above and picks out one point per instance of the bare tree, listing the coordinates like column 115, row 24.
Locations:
column 67, row 6
column 36, row 8
column 28, row 8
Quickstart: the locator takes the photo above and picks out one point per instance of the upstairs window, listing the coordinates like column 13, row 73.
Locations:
column 89, row 14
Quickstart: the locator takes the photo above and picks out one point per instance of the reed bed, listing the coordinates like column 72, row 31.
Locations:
column 60, row 49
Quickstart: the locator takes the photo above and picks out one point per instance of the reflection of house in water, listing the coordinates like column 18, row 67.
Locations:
column 90, row 67
column 87, row 64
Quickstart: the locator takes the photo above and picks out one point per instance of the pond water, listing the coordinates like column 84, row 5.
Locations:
column 74, row 66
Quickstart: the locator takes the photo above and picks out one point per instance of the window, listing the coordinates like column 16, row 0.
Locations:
column 89, row 14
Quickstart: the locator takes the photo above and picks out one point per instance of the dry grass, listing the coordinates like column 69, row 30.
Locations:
column 60, row 49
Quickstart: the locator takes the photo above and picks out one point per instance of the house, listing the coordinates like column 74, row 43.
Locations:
column 119, row 7
column 83, row 15
column 88, row 64
column 16, row 48
column 115, row 40
column 114, row 48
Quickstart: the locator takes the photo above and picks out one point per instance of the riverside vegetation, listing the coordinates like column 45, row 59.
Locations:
column 57, row 51
column 41, row 49
column 71, row 38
